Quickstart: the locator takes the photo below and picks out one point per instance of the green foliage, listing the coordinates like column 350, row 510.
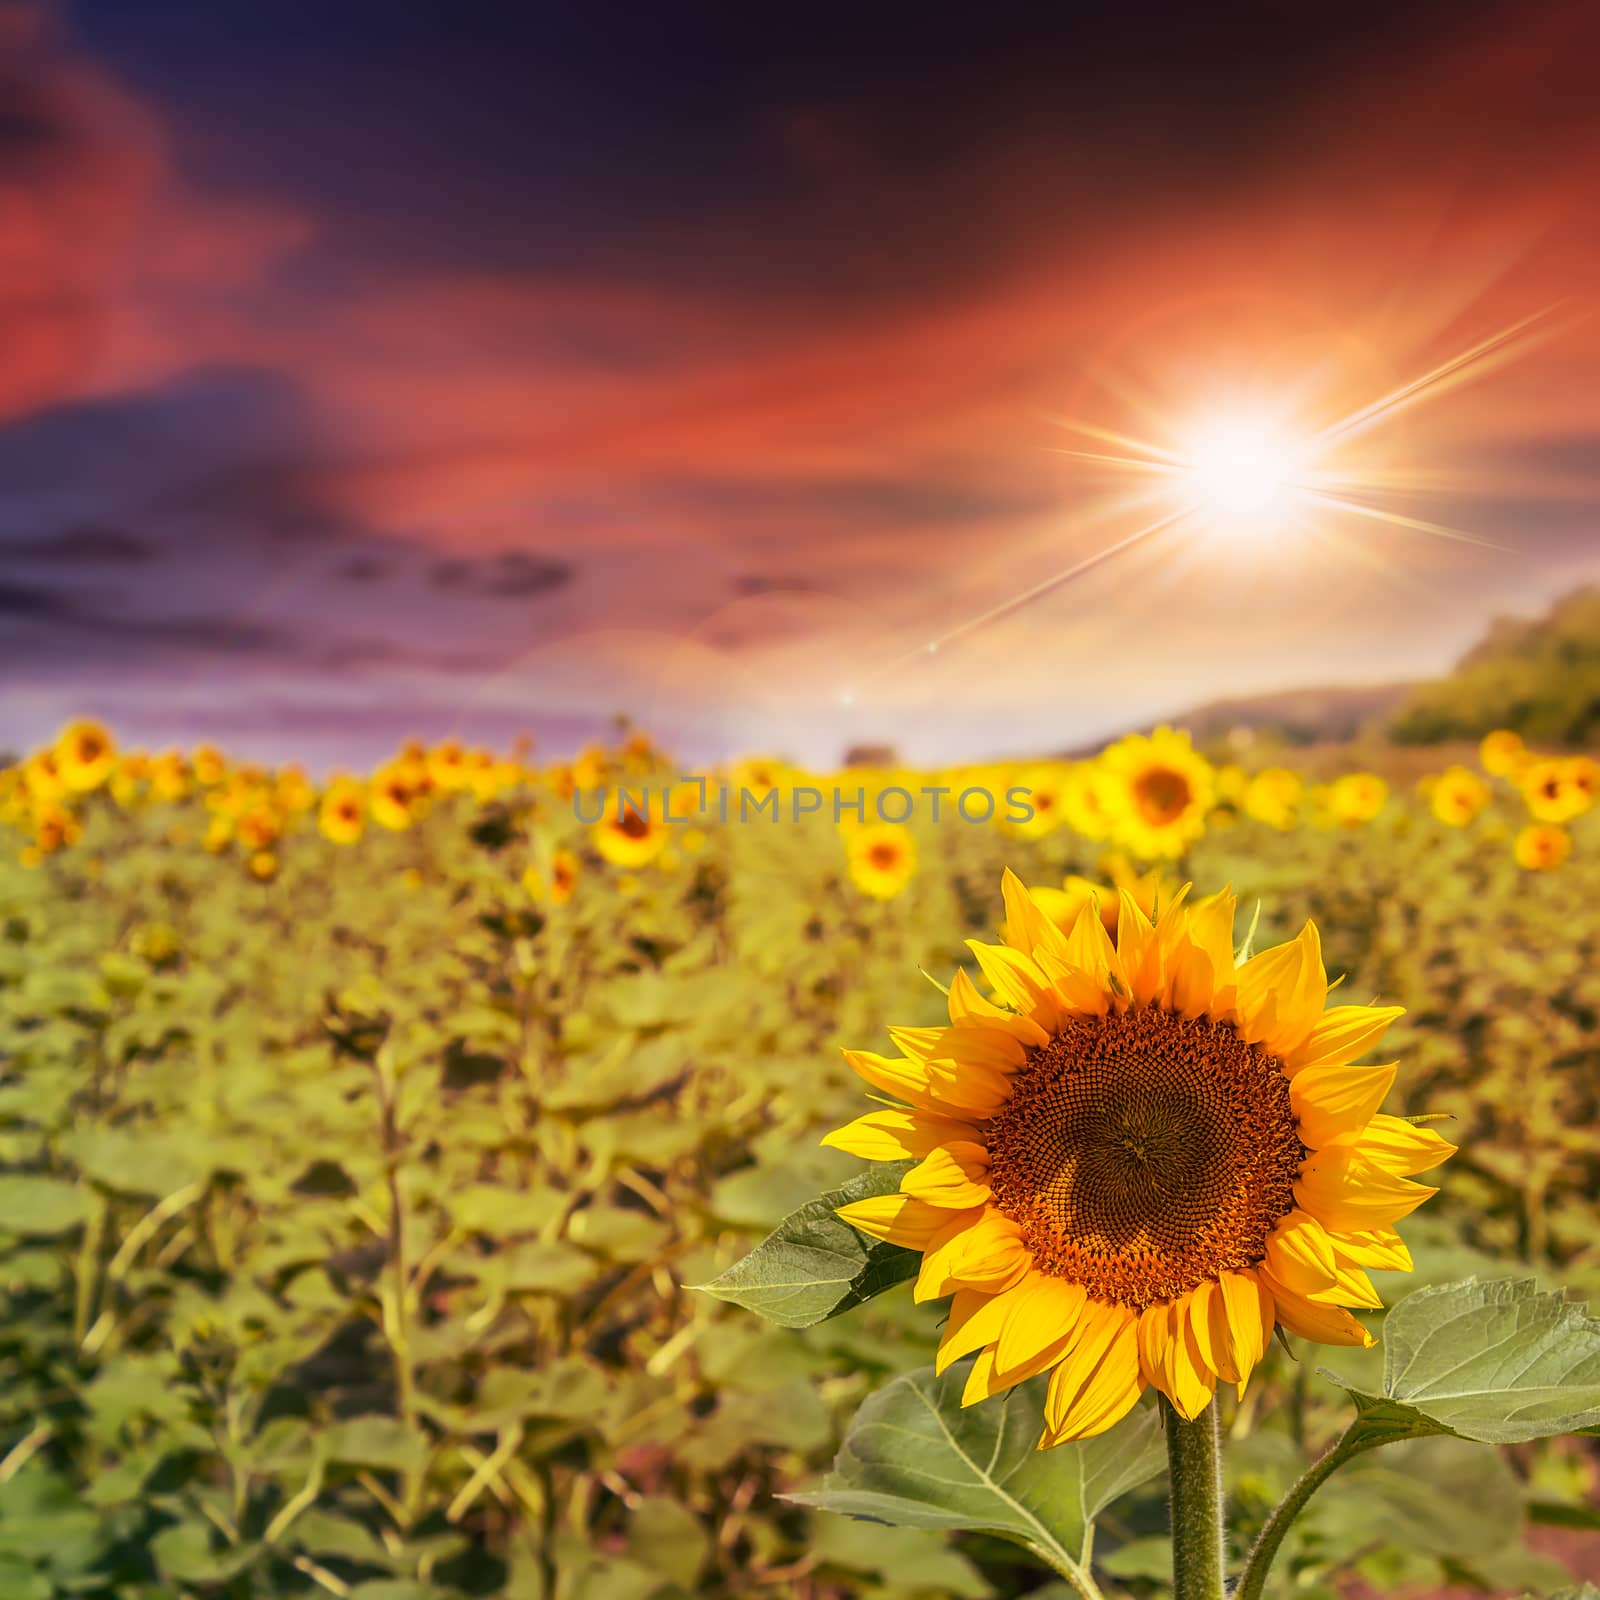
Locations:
column 812, row 1266
column 915, row 1457
column 1540, row 678
column 1496, row 1362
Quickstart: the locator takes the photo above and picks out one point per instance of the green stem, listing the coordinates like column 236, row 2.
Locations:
column 1194, row 1462
column 1253, row 1581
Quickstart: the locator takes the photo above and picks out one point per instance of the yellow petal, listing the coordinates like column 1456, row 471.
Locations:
column 896, row 1135
column 1046, row 1312
column 1347, row 1193
column 1350, row 1287
column 1341, row 1035
column 1400, row 1147
column 1099, row 1327
column 1382, row 1249
column 969, row 1008
column 1017, row 980
column 1220, row 1339
column 1282, row 992
column 1080, row 1405
column 976, row 1092
column 1190, row 1380
column 1197, row 1308
column 975, row 1320
column 988, row 1255
column 967, row 1046
column 896, row 1219
column 1028, row 925
column 1191, row 981
column 954, row 1176
column 1329, row 1101
column 1210, row 930
column 1300, row 1254
column 1249, row 1312
column 1138, row 950
column 1322, row 1323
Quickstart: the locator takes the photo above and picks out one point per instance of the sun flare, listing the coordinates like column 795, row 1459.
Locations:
column 1242, row 469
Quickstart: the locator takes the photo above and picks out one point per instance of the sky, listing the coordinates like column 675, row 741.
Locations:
column 373, row 370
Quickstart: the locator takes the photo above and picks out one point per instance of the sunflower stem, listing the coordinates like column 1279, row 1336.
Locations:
column 1194, row 1463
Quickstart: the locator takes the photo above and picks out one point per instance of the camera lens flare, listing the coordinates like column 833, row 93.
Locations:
column 1241, row 468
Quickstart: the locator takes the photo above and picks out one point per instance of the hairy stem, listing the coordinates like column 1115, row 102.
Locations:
column 1194, row 1462
column 1253, row 1581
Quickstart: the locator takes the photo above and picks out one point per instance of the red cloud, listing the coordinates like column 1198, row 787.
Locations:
column 111, row 271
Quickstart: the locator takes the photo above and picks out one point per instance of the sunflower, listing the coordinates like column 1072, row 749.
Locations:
column 1048, row 789
column 395, row 797
column 85, row 756
column 1541, row 847
column 563, row 879
column 1457, row 795
column 1355, row 798
column 343, row 813
column 1139, row 1159
column 1089, row 800
column 1272, row 796
column 1164, row 789
column 1149, row 890
column 882, row 858
column 1501, row 753
column 627, row 837
column 208, row 764
column 1557, row 790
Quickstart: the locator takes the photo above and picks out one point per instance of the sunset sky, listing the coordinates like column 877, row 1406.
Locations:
column 374, row 369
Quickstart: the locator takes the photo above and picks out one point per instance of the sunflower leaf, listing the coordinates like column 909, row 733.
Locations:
column 914, row 1457
column 1497, row 1362
column 814, row 1265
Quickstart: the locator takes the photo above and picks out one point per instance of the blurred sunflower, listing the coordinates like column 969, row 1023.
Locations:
column 1272, row 796
column 54, row 828
column 394, row 800
column 1048, row 788
column 1501, row 753
column 882, row 858
column 1148, row 889
column 1164, row 791
column 1457, row 796
column 1356, row 798
column 563, row 879
column 208, row 764
column 342, row 816
column 169, row 776
column 627, row 837
column 1556, row 789
column 1139, row 1159
column 85, row 756
column 1542, row 846
column 1088, row 800
column 263, row 865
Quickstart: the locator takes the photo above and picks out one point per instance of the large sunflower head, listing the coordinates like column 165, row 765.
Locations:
column 1164, row 790
column 1139, row 1158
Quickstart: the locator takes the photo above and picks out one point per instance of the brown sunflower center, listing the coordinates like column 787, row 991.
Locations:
column 632, row 825
column 1143, row 1154
column 1162, row 793
column 884, row 857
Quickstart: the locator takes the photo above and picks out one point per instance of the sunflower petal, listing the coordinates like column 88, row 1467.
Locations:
column 1347, row 1193
column 1017, row 980
column 951, row 1175
column 1322, row 1324
column 1329, row 1101
column 1401, row 1147
column 1099, row 1399
column 1282, row 992
column 1047, row 1312
column 1341, row 1035
column 968, row 1008
column 896, row 1219
column 1029, row 926
column 896, row 1135
column 1099, row 1327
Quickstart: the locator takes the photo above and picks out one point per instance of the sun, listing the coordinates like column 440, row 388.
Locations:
column 1242, row 467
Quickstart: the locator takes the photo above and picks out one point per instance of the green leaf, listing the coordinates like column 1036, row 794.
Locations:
column 813, row 1265
column 374, row 1441
column 31, row 1205
column 1496, row 1362
column 914, row 1457
column 668, row 1538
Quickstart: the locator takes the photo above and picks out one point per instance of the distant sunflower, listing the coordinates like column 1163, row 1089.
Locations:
column 1139, row 1159
column 85, row 754
column 1457, row 795
column 1048, row 789
column 1356, row 798
column 1502, row 752
column 1542, row 847
column 343, row 813
column 628, row 837
column 394, row 798
column 882, row 858
column 1556, row 789
column 563, row 879
column 1273, row 796
column 1164, row 792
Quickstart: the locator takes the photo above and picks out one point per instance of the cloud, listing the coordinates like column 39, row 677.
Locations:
column 86, row 544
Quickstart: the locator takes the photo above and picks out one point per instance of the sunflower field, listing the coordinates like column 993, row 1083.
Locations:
column 386, row 1160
